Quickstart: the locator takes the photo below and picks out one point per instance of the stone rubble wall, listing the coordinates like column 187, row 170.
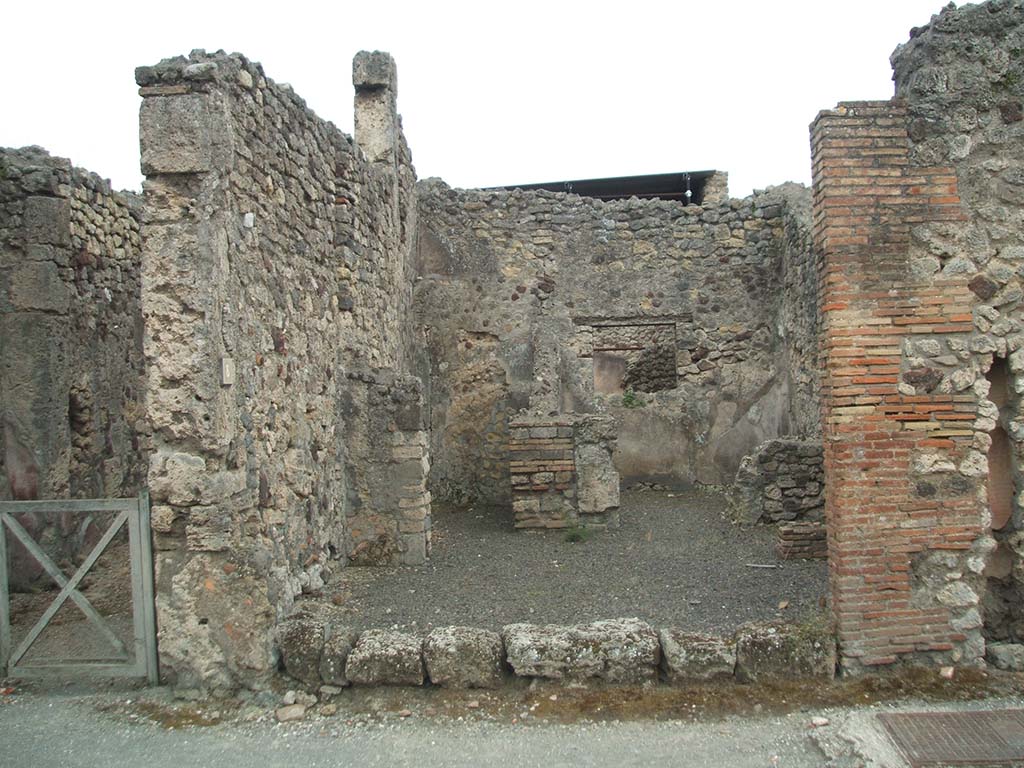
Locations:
column 276, row 297
column 554, row 292
column 799, row 320
column 319, row 651
column 388, row 511
column 919, row 215
column 782, row 481
column 962, row 79
column 71, row 380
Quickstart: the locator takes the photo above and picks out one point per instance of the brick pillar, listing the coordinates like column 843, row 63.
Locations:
column 878, row 418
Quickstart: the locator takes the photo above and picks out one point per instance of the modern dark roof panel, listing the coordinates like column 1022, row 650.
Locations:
column 665, row 186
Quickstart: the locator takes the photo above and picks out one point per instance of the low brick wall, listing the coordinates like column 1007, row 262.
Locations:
column 801, row 541
column 543, row 470
column 321, row 652
column 562, row 472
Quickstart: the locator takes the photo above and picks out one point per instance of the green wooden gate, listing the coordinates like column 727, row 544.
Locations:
column 139, row 661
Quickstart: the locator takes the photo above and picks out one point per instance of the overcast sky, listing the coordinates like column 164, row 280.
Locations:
column 490, row 93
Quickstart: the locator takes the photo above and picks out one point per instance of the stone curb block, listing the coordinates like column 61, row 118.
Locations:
column 464, row 657
column 301, row 642
column 689, row 656
column 616, row 651
column 623, row 651
column 337, row 648
column 385, row 657
column 778, row 651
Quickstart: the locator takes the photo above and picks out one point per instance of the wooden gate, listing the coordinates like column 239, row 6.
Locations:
column 139, row 661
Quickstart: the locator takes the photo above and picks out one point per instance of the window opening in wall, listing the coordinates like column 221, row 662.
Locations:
column 637, row 358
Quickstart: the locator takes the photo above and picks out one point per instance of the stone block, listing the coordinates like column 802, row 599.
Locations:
column 373, row 69
column 554, row 502
column 409, row 417
column 1008, row 656
column 37, row 286
column 209, row 529
column 464, row 657
column 776, row 651
column 688, row 656
column 339, row 644
column 529, row 504
column 403, row 452
column 597, row 480
column 409, row 471
column 47, row 220
column 179, row 134
column 182, row 479
column 616, row 651
column 414, row 548
column 385, row 657
column 301, row 642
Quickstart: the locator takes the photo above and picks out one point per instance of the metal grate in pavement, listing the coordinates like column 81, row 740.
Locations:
column 929, row 739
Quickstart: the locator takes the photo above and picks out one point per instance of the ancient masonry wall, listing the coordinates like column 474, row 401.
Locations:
column 286, row 433
column 543, row 471
column 799, row 322
column 919, row 215
column 664, row 316
column 71, row 341
column 562, row 472
column 782, row 480
column 323, row 654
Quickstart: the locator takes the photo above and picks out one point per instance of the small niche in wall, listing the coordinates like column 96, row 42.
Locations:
column 1000, row 479
column 1004, row 594
column 609, row 372
column 640, row 358
column 1000, row 454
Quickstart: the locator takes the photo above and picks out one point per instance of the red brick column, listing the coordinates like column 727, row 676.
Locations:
column 866, row 200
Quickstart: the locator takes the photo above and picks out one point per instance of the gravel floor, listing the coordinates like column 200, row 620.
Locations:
column 675, row 561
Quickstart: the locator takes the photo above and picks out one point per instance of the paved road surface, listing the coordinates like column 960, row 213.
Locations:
column 47, row 730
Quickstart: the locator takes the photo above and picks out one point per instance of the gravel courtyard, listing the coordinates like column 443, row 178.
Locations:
column 675, row 561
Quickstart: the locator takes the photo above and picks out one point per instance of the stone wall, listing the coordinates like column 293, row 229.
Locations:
column 325, row 654
column 276, row 294
column 782, row 481
column 919, row 214
column 799, row 321
column 665, row 316
column 71, row 341
column 543, row 471
column 962, row 78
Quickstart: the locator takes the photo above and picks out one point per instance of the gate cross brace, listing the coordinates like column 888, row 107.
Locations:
column 69, row 588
